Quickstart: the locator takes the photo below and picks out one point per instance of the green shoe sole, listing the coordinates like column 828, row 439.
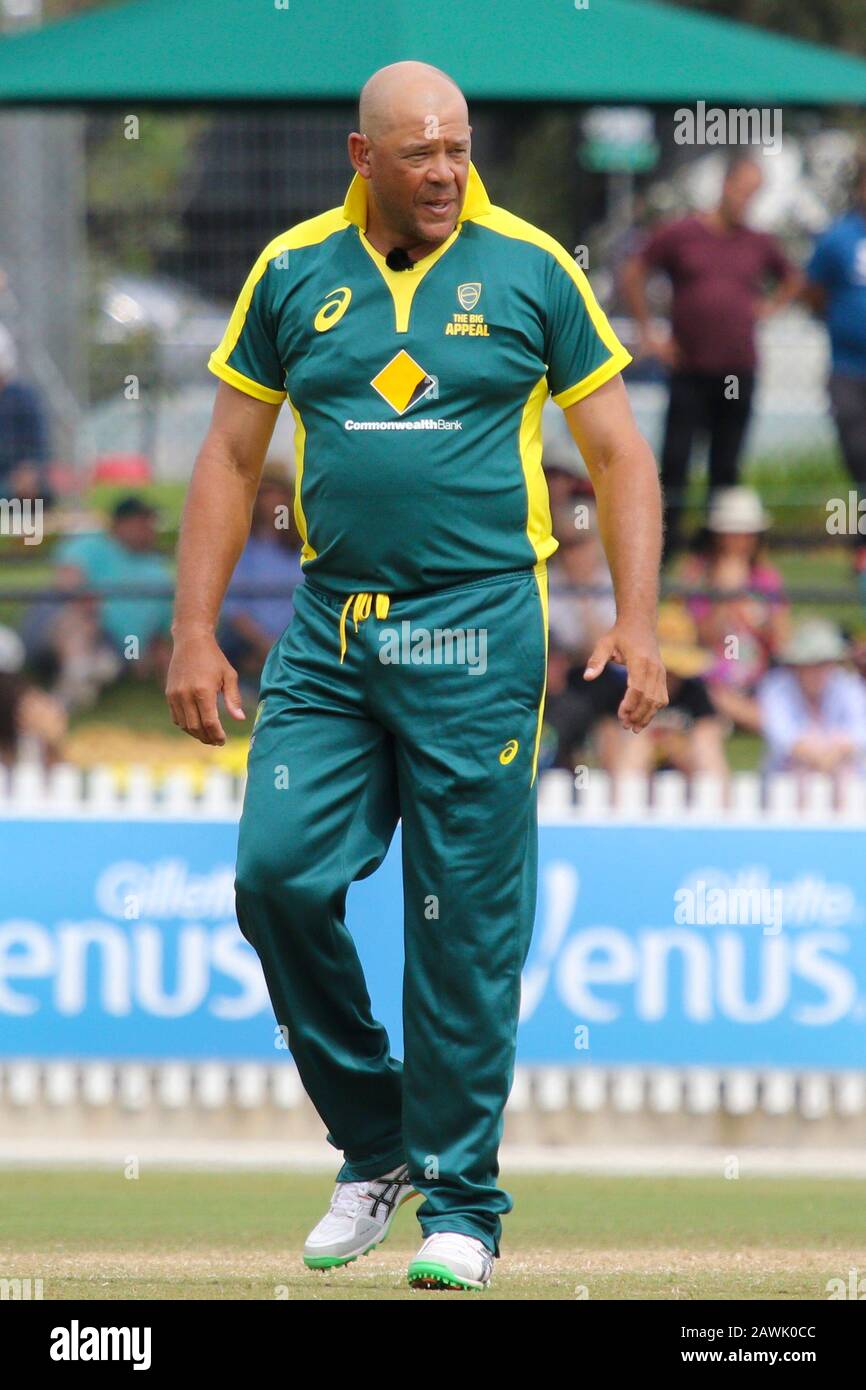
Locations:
column 424, row 1274
column 335, row 1261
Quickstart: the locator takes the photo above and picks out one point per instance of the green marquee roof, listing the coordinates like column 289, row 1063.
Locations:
column 528, row 50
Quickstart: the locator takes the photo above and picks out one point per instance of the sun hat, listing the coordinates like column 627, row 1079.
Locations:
column 11, row 652
column 8, row 354
column 812, row 643
column 737, row 511
column 679, row 648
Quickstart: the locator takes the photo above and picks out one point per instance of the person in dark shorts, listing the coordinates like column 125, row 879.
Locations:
column 718, row 269
column 836, row 289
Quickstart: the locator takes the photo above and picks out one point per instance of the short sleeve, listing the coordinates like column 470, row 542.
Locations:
column 781, row 724
column 582, row 350
column 694, row 698
column 247, row 357
column 75, row 551
column 660, row 246
column 821, row 267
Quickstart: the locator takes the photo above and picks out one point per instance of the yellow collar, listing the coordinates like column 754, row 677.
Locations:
column 475, row 204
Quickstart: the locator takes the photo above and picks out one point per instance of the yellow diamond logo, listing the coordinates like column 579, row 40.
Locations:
column 403, row 383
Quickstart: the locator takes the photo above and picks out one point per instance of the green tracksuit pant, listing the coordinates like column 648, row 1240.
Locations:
column 364, row 720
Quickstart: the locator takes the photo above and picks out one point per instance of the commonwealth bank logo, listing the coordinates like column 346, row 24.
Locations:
column 403, row 383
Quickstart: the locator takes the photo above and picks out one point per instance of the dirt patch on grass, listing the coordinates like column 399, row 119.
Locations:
column 177, row 1266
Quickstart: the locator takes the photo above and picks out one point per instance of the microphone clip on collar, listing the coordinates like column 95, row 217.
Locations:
column 399, row 259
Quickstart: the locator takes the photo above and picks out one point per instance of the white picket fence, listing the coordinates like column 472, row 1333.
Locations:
column 211, row 1086
column 137, row 792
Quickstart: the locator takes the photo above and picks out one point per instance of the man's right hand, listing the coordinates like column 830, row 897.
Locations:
column 198, row 671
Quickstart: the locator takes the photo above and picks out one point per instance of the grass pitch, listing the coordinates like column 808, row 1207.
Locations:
column 216, row 1235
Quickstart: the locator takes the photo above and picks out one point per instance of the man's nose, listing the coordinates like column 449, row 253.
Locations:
column 439, row 170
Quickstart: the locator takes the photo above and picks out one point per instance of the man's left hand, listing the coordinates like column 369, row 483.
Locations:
column 633, row 646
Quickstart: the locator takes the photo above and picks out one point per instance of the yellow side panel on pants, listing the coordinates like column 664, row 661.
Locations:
column 540, row 572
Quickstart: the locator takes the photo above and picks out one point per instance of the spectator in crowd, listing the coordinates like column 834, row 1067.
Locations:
column 568, row 716
column 88, row 641
column 580, row 714
column 564, row 469
column 24, row 446
column 745, row 631
column 688, row 736
column 836, row 289
column 718, row 269
column 813, row 710
column 270, row 562
column 581, row 604
column 32, row 723
column 857, row 651
column 581, row 609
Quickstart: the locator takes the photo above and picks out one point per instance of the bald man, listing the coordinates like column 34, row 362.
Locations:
column 416, row 332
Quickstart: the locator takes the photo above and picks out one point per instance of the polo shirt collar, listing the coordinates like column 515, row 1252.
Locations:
column 475, row 204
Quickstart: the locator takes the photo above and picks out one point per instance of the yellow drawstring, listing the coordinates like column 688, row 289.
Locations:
column 361, row 610
column 343, row 627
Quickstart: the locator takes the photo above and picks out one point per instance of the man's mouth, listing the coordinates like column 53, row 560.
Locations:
column 439, row 206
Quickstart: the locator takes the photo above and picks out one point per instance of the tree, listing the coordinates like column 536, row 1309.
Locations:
column 837, row 23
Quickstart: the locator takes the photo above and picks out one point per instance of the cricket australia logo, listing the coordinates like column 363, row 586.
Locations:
column 466, row 323
column 403, row 383
column 468, row 295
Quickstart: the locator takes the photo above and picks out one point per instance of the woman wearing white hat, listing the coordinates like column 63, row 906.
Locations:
column 813, row 710
column 746, row 630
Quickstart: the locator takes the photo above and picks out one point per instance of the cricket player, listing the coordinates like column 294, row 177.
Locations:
column 415, row 332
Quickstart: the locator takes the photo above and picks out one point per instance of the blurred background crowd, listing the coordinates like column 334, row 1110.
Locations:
column 735, row 275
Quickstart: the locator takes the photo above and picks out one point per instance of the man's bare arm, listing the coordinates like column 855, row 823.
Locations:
column 814, row 296
column 215, row 527
column 789, row 288
column 633, row 281
column 628, row 497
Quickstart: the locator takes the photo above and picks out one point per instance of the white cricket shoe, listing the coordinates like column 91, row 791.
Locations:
column 450, row 1260
column 358, row 1219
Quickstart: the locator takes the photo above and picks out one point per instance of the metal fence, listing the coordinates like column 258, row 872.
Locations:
column 125, row 237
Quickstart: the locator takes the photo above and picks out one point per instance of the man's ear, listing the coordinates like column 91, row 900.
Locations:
column 359, row 153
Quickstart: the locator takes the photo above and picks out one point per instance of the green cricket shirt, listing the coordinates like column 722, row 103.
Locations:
column 417, row 394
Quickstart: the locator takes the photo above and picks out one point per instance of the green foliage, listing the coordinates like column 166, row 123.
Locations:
column 836, row 23
column 539, row 184
column 139, row 182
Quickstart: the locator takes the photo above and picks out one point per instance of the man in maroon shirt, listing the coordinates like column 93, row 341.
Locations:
column 719, row 269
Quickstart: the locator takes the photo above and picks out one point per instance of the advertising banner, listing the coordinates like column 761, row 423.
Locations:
column 653, row 945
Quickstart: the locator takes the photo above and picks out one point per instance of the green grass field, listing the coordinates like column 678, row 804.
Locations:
column 194, row 1235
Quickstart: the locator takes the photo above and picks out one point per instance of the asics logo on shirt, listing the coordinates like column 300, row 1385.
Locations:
column 333, row 309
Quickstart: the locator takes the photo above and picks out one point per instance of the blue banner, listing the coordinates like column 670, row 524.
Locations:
column 653, row 944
